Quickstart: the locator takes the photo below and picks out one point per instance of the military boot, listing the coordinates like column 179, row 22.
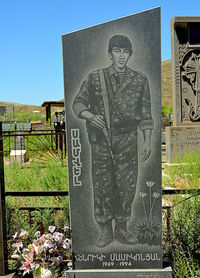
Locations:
column 106, row 234
column 123, row 235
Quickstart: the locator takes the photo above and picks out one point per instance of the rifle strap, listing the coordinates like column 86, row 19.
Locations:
column 111, row 95
column 105, row 98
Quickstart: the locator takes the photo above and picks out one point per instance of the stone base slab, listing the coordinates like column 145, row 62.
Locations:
column 120, row 273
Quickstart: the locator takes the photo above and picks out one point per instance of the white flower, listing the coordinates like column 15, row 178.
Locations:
column 37, row 234
column 15, row 235
column 57, row 236
column 67, row 243
column 52, row 229
column 15, row 256
column 142, row 194
column 66, row 228
column 156, row 194
column 23, row 234
column 150, row 183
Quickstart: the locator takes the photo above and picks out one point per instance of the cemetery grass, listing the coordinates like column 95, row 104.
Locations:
column 34, row 176
column 184, row 173
column 182, row 246
column 166, row 110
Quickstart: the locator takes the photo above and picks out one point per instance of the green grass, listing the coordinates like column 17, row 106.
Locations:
column 185, row 267
column 25, row 117
column 51, row 176
column 166, row 110
column 34, row 176
column 183, row 246
column 185, row 173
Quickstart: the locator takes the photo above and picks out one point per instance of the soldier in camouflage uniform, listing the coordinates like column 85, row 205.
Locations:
column 114, row 109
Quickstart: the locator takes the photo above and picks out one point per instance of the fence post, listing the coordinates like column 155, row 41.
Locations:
column 3, row 238
column 168, row 222
column 61, row 144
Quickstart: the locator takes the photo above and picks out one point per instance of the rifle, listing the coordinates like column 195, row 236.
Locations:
column 106, row 131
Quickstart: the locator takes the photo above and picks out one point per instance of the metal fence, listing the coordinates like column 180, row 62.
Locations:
column 21, row 144
column 37, row 145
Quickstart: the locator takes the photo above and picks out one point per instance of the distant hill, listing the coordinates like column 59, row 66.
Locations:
column 25, row 111
column 166, row 83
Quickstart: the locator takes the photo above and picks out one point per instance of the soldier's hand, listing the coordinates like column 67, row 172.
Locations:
column 146, row 151
column 97, row 121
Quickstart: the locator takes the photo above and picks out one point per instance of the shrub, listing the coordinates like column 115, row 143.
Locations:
column 183, row 246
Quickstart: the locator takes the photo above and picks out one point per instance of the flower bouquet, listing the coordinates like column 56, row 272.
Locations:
column 44, row 255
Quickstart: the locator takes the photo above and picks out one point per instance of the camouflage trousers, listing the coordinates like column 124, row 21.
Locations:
column 114, row 179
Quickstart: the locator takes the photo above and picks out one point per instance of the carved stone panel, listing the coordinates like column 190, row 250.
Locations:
column 186, row 70
column 180, row 141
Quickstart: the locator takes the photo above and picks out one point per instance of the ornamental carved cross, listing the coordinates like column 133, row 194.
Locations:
column 192, row 73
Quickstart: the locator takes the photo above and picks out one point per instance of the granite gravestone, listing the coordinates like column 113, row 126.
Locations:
column 10, row 112
column 7, row 112
column 185, row 34
column 19, row 141
column 2, row 110
column 113, row 114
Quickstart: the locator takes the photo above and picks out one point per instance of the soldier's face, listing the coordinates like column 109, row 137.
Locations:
column 120, row 57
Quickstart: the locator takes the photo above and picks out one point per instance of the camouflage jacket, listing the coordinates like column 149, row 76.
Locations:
column 132, row 99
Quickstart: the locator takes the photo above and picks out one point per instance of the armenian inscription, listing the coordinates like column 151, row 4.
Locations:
column 76, row 156
column 181, row 140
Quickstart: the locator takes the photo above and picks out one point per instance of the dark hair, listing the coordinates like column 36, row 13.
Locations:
column 120, row 41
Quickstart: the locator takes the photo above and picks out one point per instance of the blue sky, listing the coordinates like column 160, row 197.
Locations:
column 31, row 68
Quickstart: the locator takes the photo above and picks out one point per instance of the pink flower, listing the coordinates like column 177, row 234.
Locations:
column 58, row 236
column 26, row 267
column 46, row 248
column 35, row 248
column 48, row 244
column 18, row 245
column 43, row 239
column 28, row 264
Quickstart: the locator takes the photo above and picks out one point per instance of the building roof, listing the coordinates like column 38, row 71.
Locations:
column 53, row 103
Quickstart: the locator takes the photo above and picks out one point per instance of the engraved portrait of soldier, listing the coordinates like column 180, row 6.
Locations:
column 115, row 104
